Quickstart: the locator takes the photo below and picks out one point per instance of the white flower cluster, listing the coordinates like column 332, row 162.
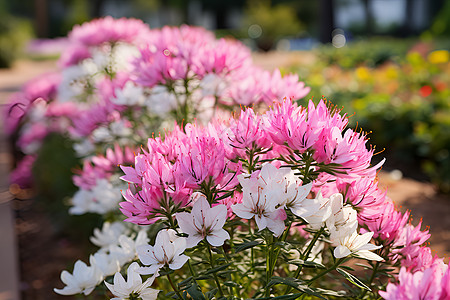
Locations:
column 266, row 195
column 104, row 197
column 118, row 247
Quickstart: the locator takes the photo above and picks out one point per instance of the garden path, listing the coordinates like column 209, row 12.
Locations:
column 11, row 81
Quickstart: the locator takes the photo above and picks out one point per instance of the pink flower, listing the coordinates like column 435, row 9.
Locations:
column 22, row 175
column 101, row 166
column 430, row 284
column 247, row 132
column 109, row 30
column 73, row 55
column 144, row 207
column 289, row 123
column 289, row 87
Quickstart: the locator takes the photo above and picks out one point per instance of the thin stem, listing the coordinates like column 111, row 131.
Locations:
column 268, row 259
column 252, row 254
column 336, row 264
column 305, row 255
column 216, row 279
column 372, row 277
column 174, row 287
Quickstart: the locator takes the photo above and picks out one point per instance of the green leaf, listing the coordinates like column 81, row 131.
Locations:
column 284, row 297
column 307, row 264
column 364, row 266
column 231, row 284
column 195, row 292
column 204, row 277
column 347, row 268
column 353, row 279
column 246, row 245
column 186, row 281
column 331, row 292
column 217, row 269
column 209, row 295
column 295, row 283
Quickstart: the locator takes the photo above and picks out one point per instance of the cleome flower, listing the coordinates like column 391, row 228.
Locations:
column 204, row 222
column 167, row 251
column 357, row 245
column 260, row 199
column 133, row 287
column 83, row 279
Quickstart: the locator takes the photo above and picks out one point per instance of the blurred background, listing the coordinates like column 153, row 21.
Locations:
column 384, row 62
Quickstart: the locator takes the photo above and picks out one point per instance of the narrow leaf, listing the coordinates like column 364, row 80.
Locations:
column 246, row 245
column 217, row 269
column 195, row 292
column 353, row 279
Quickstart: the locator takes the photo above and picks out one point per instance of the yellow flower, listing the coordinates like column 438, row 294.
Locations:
column 438, row 57
column 363, row 73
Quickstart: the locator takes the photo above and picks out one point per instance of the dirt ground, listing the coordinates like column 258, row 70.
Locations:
column 44, row 251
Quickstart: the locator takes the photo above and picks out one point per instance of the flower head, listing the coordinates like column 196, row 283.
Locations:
column 204, row 222
column 133, row 286
column 167, row 251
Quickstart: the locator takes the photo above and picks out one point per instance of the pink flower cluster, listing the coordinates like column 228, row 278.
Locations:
column 119, row 80
column 431, row 284
column 101, row 166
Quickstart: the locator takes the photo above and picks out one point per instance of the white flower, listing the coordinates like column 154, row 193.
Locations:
column 292, row 194
column 204, row 222
column 131, row 94
column 343, row 219
column 358, row 245
column 168, row 250
column 126, row 250
column 133, row 286
column 108, row 235
column 82, row 202
column 106, row 263
column 212, row 85
column 83, row 147
column 316, row 220
column 102, row 198
column 102, row 134
column 261, row 199
column 161, row 101
column 83, row 280
column 106, row 196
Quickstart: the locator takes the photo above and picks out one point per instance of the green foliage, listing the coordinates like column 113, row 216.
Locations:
column 403, row 102
column 275, row 21
column 370, row 52
column 14, row 33
column 52, row 175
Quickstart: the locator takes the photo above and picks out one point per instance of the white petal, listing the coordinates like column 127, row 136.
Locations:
column 362, row 240
column 276, row 226
column 341, row 251
column 368, row 255
column 186, row 222
column 178, row 262
column 242, row 211
column 218, row 237
column 193, row 240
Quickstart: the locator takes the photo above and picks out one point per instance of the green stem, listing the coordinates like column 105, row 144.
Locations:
column 305, row 255
column 336, row 264
column 252, row 254
column 174, row 287
column 277, row 252
column 372, row 277
column 216, row 279
column 269, row 261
